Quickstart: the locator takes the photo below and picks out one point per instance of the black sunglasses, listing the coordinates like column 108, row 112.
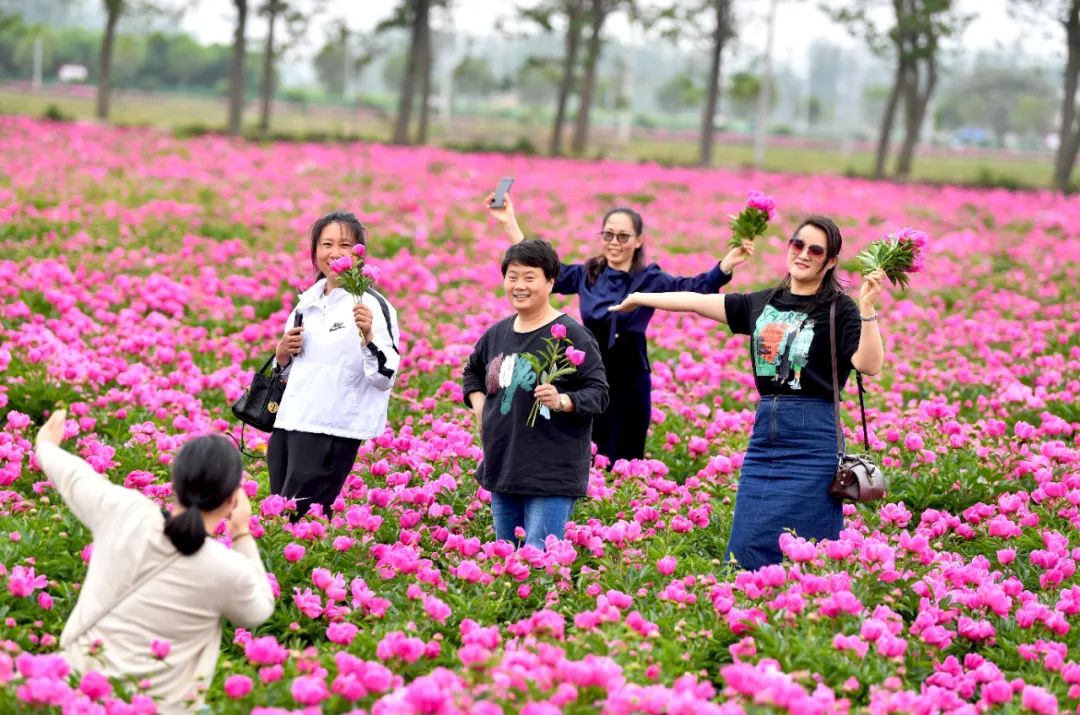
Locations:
column 609, row 236
column 797, row 245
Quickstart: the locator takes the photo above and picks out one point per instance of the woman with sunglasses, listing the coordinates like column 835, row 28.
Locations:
column 606, row 280
column 791, row 458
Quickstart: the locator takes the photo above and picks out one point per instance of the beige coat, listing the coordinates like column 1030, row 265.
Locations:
column 183, row 604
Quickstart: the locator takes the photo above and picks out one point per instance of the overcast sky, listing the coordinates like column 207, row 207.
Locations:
column 798, row 24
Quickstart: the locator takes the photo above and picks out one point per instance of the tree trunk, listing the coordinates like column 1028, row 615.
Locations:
column 887, row 118
column 566, row 84
column 236, row 69
column 1069, row 132
column 408, row 84
column 598, row 14
column 425, row 61
column 916, row 99
column 712, row 97
column 113, row 8
column 268, row 68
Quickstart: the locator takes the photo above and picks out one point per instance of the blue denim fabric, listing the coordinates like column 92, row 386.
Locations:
column 538, row 515
column 784, row 485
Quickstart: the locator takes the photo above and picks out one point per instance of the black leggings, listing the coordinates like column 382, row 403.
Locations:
column 620, row 431
column 310, row 468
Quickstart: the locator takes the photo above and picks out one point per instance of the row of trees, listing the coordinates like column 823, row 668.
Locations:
column 913, row 39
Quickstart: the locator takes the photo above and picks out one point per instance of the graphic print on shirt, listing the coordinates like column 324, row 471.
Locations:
column 782, row 345
column 509, row 373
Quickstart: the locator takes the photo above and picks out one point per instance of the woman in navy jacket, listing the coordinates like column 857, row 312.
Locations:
column 606, row 280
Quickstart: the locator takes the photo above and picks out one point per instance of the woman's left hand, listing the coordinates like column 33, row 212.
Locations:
column 549, row 397
column 870, row 292
column 363, row 315
column 737, row 255
column 52, row 431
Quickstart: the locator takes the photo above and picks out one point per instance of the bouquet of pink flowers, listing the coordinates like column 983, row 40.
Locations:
column 753, row 219
column 898, row 254
column 558, row 358
column 355, row 276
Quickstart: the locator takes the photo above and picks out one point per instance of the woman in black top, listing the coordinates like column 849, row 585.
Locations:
column 605, row 280
column 534, row 472
column 791, row 458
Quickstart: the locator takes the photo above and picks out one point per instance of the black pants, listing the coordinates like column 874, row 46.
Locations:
column 620, row 431
column 310, row 468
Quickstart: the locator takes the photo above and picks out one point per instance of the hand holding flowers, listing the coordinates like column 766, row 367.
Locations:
column 558, row 359
column 752, row 221
column 356, row 278
column 896, row 255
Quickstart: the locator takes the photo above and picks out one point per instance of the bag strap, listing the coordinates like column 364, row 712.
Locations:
column 836, row 390
column 132, row 589
column 862, row 410
column 835, row 381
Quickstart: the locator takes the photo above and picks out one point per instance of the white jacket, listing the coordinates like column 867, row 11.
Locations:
column 337, row 385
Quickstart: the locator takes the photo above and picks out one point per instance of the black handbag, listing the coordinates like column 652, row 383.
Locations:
column 258, row 406
column 857, row 479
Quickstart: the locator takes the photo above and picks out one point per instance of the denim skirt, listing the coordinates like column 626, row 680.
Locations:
column 784, row 485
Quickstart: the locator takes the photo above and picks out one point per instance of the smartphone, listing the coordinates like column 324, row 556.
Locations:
column 298, row 320
column 500, row 192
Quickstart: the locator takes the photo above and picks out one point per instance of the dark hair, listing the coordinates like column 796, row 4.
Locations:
column 205, row 472
column 535, row 253
column 347, row 220
column 596, row 265
column 830, row 285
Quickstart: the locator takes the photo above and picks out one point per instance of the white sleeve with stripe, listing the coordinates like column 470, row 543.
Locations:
column 381, row 355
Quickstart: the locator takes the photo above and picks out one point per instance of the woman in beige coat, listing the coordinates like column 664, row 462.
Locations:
column 155, row 576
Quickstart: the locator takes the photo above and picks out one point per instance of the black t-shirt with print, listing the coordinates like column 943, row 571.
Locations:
column 790, row 340
column 552, row 457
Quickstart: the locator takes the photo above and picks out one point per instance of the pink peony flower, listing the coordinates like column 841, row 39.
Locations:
column 558, row 331
column 359, row 250
column 666, row 565
column 341, row 264
column 575, row 356
column 237, row 686
column 761, row 202
column 294, row 552
column 160, row 649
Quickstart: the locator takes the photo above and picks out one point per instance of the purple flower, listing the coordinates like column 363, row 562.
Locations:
column 558, row 331
column 914, row 236
column 575, row 356
column 761, row 202
column 340, row 265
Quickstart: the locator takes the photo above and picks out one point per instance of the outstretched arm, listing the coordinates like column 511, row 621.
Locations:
column 708, row 306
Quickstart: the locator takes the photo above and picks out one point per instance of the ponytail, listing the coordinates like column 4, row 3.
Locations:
column 186, row 531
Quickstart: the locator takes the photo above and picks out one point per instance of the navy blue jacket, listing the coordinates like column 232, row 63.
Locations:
column 621, row 336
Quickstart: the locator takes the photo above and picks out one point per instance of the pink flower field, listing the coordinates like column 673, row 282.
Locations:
column 143, row 278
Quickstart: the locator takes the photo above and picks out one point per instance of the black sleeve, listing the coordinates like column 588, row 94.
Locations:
column 848, row 327
column 738, row 307
column 475, row 370
column 590, row 389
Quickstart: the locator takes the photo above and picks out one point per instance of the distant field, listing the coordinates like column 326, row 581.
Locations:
column 784, row 154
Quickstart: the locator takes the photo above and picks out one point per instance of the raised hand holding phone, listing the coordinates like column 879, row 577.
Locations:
column 498, row 201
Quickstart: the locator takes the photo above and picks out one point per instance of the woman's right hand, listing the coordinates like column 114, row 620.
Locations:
column 627, row 305
column 505, row 216
column 290, row 345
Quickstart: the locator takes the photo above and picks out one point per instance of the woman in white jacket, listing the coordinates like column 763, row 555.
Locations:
column 155, row 576
column 341, row 359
